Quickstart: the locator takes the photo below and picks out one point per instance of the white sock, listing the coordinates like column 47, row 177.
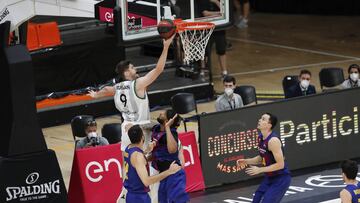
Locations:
column 225, row 72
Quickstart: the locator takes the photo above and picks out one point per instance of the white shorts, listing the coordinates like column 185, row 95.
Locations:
column 125, row 140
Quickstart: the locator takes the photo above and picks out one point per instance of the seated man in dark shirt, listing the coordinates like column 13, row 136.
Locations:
column 303, row 88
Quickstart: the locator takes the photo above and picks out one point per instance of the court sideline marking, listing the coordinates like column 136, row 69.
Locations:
column 292, row 48
column 332, row 201
column 289, row 67
column 349, row 58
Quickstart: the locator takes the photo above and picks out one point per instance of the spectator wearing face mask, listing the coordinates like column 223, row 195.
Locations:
column 92, row 139
column 303, row 88
column 353, row 80
column 229, row 100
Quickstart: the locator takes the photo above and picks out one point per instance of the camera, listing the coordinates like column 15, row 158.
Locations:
column 94, row 141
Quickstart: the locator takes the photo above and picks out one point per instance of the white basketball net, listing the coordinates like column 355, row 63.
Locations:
column 194, row 39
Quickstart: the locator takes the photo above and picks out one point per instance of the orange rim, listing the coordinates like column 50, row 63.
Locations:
column 194, row 26
column 177, row 23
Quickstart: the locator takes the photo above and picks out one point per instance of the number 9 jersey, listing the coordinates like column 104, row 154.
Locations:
column 132, row 107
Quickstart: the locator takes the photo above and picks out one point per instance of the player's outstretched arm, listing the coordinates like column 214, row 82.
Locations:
column 171, row 143
column 108, row 90
column 139, row 162
column 143, row 82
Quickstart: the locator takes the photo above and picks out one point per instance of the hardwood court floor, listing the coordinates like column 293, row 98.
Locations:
column 274, row 45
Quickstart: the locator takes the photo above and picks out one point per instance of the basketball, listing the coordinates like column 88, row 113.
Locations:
column 166, row 28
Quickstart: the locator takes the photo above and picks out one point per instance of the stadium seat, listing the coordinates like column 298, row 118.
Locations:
column 112, row 132
column 289, row 81
column 184, row 103
column 78, row 125
column 330, row 78
column 247, row 93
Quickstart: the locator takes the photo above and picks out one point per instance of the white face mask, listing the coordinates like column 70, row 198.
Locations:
column 92, row 134
column 354, row 76
column 229, row 91
column 305, row 84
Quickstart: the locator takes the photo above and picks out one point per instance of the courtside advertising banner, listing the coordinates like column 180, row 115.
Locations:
column 96, row 175
column 194, row 177
column 314, row 130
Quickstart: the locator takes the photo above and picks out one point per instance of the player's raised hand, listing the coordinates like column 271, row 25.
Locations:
column 167, row 42
column 151, row 145
column 174, row 167
column 171, row 121
column 241, row 163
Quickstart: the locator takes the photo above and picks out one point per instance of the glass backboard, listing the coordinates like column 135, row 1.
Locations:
column 140, row 17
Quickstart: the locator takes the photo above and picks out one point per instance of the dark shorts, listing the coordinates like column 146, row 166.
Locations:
column 272, row 189
column 219, row 38
column 172, row 189
column 137, row 197
column 243, row 1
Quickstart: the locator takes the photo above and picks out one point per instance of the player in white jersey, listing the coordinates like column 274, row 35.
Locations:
column 130, row 95
column 134, row 110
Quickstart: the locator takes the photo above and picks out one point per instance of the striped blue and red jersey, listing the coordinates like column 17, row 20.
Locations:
column 162, row 157
column 267, row 156
column 132, row 181
column 354, row 190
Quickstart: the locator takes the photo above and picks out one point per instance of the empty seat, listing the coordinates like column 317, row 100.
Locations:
column 247, row 93
column 289, row 81
column 331, row 77
column 184, row 103
column 112, row 132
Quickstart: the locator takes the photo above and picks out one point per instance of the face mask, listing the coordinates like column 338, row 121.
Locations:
column 354, row 76
column 229, row 91
column 92, row 134
column 305, row 84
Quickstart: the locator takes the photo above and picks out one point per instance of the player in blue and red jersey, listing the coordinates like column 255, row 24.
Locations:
column 167, row 150
column 137, row 179
column 277, row 176
column 351, row 193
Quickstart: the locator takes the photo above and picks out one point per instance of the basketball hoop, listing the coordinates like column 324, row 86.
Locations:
column 194, row 37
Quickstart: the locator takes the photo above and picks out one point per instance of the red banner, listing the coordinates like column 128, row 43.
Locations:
column 194, row 176
column 106, row 14
column 95, row 175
